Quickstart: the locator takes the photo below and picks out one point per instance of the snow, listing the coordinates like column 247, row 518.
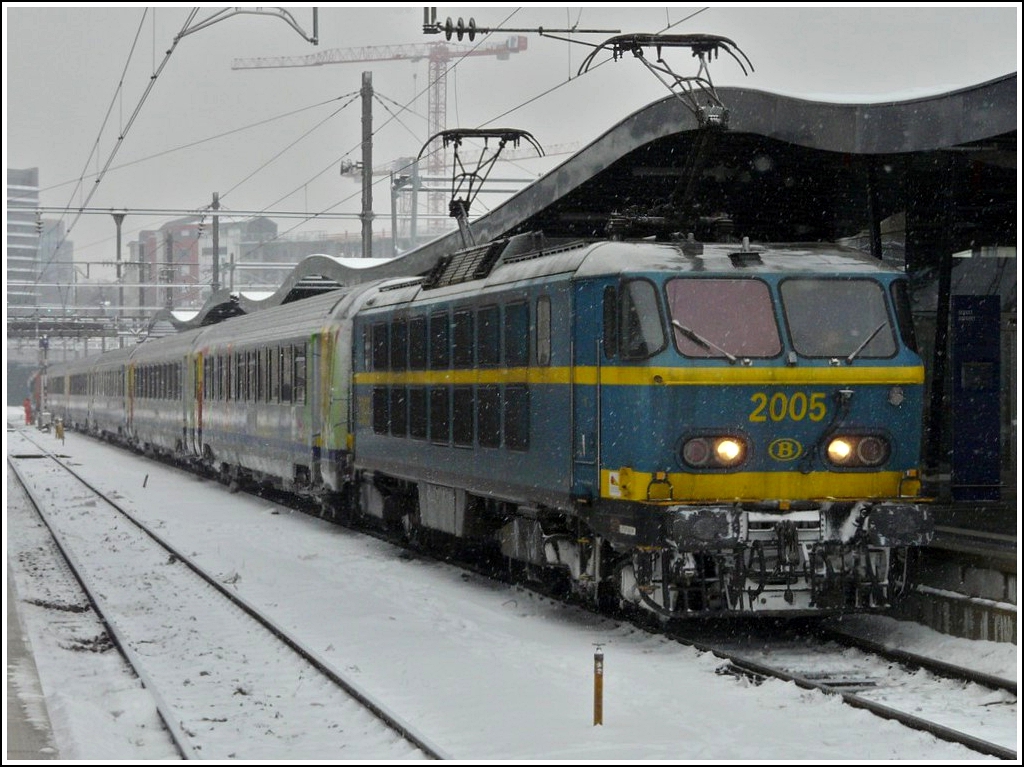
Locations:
column 509, row 676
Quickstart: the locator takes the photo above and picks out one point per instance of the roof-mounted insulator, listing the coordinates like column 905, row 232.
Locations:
column 746, row 256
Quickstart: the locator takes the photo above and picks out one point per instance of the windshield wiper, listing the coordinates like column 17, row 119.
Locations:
column 865, row 342
column 702, row 341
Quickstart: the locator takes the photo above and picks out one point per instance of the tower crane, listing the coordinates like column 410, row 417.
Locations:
column 438, row 56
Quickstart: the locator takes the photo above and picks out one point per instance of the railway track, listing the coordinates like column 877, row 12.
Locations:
column 753, row 664
column 958, row 705
column 227, row 681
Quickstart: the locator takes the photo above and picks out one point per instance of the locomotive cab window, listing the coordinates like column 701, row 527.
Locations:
column 723, row 318
column 838, row 318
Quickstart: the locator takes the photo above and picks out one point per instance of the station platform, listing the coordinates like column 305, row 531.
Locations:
column 28, row 735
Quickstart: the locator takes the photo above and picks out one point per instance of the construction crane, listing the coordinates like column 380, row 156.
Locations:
column 438, row 56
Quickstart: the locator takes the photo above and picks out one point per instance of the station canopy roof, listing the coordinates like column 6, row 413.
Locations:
column 784, row 169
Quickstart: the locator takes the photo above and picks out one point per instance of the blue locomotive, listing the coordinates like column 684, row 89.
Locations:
column 691, row 429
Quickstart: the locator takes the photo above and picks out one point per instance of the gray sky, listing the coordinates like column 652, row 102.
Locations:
column 63, row 66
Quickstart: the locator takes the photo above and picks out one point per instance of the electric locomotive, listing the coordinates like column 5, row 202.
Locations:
column 688, row 428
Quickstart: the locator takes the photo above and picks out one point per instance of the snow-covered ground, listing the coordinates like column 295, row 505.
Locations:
column 492, row 672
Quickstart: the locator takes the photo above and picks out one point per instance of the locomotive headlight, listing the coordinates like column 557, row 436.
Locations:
column 839, row 451
column 728, row 451
column 697, row 452
column 872, row 451
column 712, row 452
column 858, row 451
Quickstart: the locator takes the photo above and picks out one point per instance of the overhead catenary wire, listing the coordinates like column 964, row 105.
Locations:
column 392, row 117
column 123, row 133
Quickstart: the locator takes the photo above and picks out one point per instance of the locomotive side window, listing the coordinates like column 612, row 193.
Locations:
column 440, row 354
column 543, row 330
column 487, row 336
column 380, row 410
column 462, row 415
column 640, row 328
column 418, row 343
column 399, row 412
column 462, row 339
column 439, row 415
column 517, row 335
column 417, row 412
column 837, row 318
column 904, row 319
column 380, row 346
column 517, row 417
column 488, row 415
column 399, row 344
column 723, row 318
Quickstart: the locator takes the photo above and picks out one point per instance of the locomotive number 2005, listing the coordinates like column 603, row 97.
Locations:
column 794, row 407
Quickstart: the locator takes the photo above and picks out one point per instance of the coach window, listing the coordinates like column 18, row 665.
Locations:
column 517, row 335
column 262, row 379
column 462, row 339
column 286, row 374
column 268, row 375
column 299, row 391
column 228, row 363
column 418, row 343
column 640, row 328
column 543, row 330
column 462, row 415
column 439, row 415
column 253, row 362
column 487, row 336
column 440, row 348
column 275, row 374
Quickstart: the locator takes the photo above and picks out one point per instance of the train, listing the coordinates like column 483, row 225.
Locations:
column 684, row 428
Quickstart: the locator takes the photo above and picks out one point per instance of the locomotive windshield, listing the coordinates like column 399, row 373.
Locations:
column 723, row 318
column 838, row 318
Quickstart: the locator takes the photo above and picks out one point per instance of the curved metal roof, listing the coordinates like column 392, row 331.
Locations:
column 786, row 169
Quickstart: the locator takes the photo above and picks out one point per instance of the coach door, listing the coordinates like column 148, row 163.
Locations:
column 194, row 418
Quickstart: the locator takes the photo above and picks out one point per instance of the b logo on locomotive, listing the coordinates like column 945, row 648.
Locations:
column 785, row 449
